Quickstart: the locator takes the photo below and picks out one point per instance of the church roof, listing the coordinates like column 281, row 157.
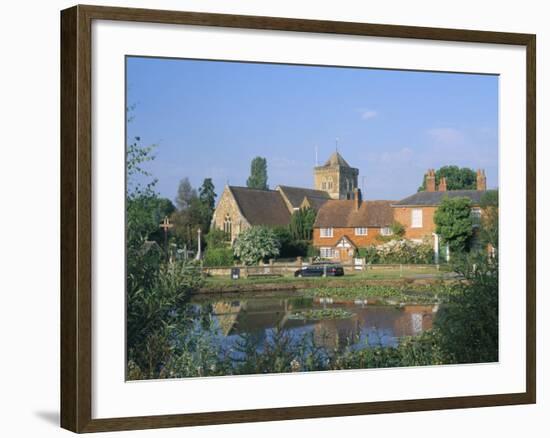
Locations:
column 296, row 195
column 435, row 198
column 342, row 214
column 261, row 207
column 336, row 160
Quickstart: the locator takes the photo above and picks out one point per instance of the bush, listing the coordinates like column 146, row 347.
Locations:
column 216, row 239
column 289, row 246
column 256, row 244
column 218, row 257
column 398, row 251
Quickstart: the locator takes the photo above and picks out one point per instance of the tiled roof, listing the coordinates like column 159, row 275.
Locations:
column 435, row 198
column 296, row 195
column 342, row 214
column 261, row 207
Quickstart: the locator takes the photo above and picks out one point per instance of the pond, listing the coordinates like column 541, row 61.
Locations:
column 332, row 323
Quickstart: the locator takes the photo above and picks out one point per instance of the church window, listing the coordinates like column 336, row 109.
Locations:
column 330, row 183
column 227, row 225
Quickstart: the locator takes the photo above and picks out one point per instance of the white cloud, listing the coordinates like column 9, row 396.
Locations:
column 368, row 114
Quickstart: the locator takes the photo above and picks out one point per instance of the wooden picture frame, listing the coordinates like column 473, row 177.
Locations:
column 76, row 217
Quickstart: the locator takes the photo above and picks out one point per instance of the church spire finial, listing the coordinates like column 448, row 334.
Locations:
column 337, row 144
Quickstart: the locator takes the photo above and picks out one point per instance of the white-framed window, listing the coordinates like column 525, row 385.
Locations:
column 386, row 231
column 326, row 252
column 326, row 232
column 361, row 231
column 416, row 218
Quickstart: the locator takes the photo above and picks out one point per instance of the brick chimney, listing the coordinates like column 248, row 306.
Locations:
column 357, row 198
column 481, row 180
column 442, row 184
column 430, row 180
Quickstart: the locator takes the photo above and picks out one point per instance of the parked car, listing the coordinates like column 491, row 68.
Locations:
column 320, row 270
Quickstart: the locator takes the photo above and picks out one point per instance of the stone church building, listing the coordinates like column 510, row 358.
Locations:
column 241, row 207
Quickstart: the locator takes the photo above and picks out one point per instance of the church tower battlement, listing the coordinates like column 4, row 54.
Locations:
column 336, row 177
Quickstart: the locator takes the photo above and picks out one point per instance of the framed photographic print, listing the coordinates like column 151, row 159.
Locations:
column 270, row 218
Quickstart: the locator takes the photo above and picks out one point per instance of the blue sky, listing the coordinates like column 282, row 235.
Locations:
column 209, row 119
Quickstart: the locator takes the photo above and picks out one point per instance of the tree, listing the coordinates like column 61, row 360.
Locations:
column 454, row 223
column 457, row 178
column 207, row 196
column 467, row 326
column 186, row 193
column 489, row 219
column 258, row 174
column 301, row 223
column 256, row 244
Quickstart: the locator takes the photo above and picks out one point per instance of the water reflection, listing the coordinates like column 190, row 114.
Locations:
column 373, row 323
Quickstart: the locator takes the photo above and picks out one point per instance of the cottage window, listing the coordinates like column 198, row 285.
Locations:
column 361, row 231
column 227, row 225
column 326, row 253
column 326, row 232
column 416, row 219
column 386, row 231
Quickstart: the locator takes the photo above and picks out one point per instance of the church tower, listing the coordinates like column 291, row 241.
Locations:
column 336, row 177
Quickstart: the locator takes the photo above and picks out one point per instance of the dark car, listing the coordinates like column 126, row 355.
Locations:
column 320, row 270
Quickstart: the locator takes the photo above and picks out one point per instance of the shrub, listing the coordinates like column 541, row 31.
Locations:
column 216, row 239
column 398, row 251
column 256, row 244
column 218, row 257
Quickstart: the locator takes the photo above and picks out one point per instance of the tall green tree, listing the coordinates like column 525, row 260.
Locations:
column 258, row 174
column 186, row 194
column 301, row 224
column 458, row 178
column 453, row 222
column 207, row 196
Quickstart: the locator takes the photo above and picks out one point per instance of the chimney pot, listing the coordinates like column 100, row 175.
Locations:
column 442, row 184
column 481, row 180
column 430, row 180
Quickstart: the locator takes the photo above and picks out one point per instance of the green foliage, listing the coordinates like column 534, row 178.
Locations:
column 207, row 197
column 397, row 233
column 186, row 193
column 195, row 211
column 301, row 224
column 288, row 246
column 218, row 257
column 258, row 174
column 155, row 306
column 489, row 220
column 216, row 238
column 467, row 326
column 256, row 244
column 398, row 251
column 457, row 178
column 454, row 223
